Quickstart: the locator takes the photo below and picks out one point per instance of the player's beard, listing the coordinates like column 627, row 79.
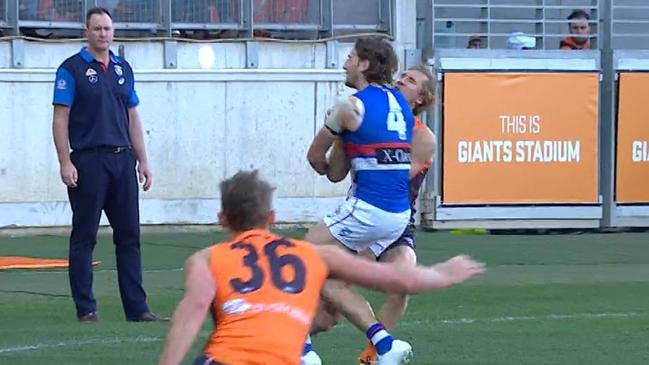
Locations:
column 350, row 81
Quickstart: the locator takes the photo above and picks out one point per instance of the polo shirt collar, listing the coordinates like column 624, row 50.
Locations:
column 88, row 57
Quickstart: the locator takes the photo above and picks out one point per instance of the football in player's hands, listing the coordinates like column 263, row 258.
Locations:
column 344, row 109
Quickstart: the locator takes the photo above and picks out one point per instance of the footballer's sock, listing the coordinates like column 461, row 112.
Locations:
column 307, row 346
column 381, row 339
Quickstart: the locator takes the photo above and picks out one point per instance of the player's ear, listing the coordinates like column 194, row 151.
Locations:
column 419, row 101
column 363, row 65
column 271, row 218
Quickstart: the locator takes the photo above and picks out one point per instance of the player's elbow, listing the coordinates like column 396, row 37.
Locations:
column 336, row 176
column 311, row 156
column 315, row 157
column 317, row 161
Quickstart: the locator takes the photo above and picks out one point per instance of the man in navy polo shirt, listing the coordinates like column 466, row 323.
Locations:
column 95, row 115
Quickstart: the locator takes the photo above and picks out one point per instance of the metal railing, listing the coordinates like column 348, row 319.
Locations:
column 347, row 15
column 3, row 13
column 133, row 11
column 630, row 24
column 492, row 22
column 455, row 22
column 300, row 18
column 205, row 14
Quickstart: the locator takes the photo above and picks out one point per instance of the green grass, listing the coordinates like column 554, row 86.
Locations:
column 571, row 299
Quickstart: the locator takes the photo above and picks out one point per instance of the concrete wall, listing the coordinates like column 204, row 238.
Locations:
column 200, row 127
column 202, row 123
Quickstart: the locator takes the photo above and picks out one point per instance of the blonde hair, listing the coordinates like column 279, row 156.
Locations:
column 427, row 91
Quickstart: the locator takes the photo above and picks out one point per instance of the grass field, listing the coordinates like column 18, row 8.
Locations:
column 561, row 299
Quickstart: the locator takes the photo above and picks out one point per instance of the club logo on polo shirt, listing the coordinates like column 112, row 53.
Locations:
column 118, row 70
column 91, row 74
column 61, row 84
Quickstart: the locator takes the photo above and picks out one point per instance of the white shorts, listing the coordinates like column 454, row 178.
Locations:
column 359, row 225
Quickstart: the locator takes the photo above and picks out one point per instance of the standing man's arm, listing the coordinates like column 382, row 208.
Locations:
column 60, row 122
column 136, row 135
column 192, row 310
column 64, row 88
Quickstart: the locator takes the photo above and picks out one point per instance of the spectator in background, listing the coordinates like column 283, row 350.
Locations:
column 475, row 42
column 580, row 28
column 520, row 41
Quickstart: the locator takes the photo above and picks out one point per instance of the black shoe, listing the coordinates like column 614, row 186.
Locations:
column 148, row 317
column 89, row 317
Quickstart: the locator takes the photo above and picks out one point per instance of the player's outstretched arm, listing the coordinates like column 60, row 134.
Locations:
column 192, row 310
column 398, row 279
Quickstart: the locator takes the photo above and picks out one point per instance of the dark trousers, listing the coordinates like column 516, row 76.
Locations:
column 107, row 181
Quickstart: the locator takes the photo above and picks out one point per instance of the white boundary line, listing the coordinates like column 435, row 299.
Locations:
column 549, row 317
column 457, row 321
column 100, row 341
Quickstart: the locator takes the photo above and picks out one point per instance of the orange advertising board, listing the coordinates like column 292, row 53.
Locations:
column 520, row 138
column 632, row 167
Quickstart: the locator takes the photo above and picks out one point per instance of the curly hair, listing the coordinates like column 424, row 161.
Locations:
column 383, row 62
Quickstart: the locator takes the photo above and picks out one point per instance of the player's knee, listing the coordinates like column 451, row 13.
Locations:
column 326, row 318
column 324, row 323
column 335, row 292
column 318, row 325
column 318, row 234
column 310, row 234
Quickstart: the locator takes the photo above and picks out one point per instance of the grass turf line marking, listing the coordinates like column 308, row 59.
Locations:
column 549, row 317
column 98, row 341
column 457, row 321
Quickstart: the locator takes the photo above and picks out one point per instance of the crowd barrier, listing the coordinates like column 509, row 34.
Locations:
column 626, row 181
column 518, row 140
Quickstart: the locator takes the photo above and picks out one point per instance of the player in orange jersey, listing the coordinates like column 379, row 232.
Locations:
column 263, row 289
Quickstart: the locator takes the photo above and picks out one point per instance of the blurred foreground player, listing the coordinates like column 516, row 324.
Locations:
column 263, row 289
